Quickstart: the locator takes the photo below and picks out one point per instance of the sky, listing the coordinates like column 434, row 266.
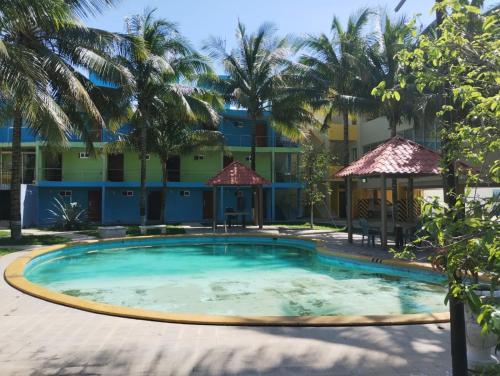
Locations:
column 198, row 19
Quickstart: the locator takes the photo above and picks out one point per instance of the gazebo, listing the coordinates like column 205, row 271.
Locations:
column 395, row 158
column 237, row 174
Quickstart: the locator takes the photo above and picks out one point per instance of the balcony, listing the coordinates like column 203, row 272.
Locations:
column 260, row 141
column 59, row 174
column 27, row 177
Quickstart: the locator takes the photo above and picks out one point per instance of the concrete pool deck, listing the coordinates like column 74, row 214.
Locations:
column 42, row 338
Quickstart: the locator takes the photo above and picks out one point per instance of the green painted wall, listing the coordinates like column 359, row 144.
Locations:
column 263, row 162
column 76, row 169
column 132, row 166
column 200, row 170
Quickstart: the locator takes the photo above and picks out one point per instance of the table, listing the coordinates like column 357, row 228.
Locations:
column 228, row 214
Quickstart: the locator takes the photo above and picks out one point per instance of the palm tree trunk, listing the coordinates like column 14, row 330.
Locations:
column 254, row 143
column 253, row 157
column 15, row 184
column 394, row 183
column 345, row 116
column 143, row 192
column 348, row 182
column 164, row 189
column 312, row 215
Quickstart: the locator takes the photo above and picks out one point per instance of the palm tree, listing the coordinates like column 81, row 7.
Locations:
column 257, row 79
column 177, row 129
column 43, row 49
column 392, row 37
column 163, row 64
column 333, row 74
column 175, row 137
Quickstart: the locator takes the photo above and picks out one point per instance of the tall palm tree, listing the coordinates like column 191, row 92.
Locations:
column 43, row 49
column 257, row 79
column 177, row 129
column 333, row 71
column 391, row 37
column 163, row 64
column 176, row 136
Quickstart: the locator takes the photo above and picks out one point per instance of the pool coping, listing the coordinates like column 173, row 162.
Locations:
column 14, row 276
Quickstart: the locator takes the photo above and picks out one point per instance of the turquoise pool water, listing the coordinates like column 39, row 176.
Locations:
column 234, row 276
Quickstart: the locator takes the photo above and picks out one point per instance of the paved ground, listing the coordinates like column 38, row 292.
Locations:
column 41, row 338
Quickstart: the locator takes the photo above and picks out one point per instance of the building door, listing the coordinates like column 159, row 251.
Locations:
column 208, row 204
column 115, row 167
column 94, row 206
column 154, row 206
column 261, row 133
column 53, row 167
column 4, row 205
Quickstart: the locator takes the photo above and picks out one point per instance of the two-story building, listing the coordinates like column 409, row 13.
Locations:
column 107, row 185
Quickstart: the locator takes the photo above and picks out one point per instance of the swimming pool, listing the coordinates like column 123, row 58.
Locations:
column 242, row 276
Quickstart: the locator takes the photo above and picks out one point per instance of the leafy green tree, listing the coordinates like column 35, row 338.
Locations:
column 258, row 80
column 463, row 65
column 43, row 49
column 315, row 166
column 161, row 60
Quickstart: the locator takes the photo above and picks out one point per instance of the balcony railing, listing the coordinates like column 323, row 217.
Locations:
column 134, row 175
column 27, row 177
column 260, row 141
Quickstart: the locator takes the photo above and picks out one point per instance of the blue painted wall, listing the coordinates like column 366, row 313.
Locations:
column 27, row 134
column 46, row 201
column 120, row 209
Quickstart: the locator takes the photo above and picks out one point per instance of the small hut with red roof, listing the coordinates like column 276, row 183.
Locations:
column 237, row 174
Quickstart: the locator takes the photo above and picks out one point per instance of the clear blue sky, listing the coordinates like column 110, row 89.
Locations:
column 199, row 19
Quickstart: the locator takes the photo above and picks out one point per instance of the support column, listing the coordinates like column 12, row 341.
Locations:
column 214, row 208
column 383, row 211
column 410, row 200
column 273, row 203
column 261, row 208
column 103, row 204
column 349, row 208
column 222, row 208
column 37, row 163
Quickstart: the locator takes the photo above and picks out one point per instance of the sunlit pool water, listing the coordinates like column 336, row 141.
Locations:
column 237, row 277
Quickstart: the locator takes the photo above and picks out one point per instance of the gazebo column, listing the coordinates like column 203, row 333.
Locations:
column 261, row 207
column 410, row 200
column 214, row 207
column 349, row 208
column 383, row 211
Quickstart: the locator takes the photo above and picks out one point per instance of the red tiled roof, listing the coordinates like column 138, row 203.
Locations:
column 397, row 156
column 237, row 174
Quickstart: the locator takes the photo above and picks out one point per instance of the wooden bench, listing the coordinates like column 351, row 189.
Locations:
column 112, row 232
column 144, row 229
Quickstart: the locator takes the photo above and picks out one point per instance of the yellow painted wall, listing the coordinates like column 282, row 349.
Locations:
column 336, row 132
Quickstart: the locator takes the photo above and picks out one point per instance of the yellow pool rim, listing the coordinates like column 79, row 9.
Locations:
column 14, row 275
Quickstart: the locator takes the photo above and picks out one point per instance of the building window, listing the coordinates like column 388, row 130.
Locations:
column 148, row 157
column 127, row 193
column 65, row 193
column 83, row 155
column 185, row 193
column 199, row 157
